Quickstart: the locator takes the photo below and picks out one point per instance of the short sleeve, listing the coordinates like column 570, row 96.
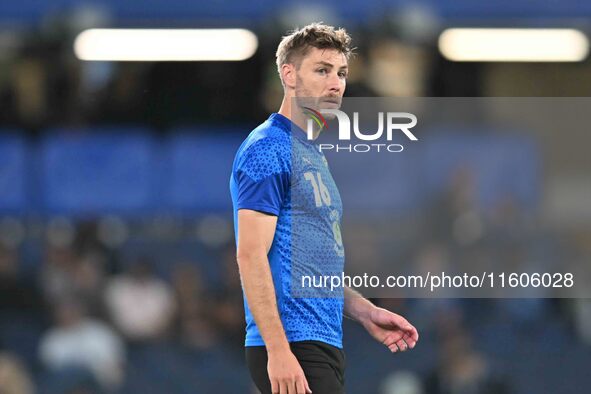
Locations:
column 263, row 177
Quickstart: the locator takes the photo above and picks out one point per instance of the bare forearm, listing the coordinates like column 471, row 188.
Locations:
column 356, row 306
column 259, row 290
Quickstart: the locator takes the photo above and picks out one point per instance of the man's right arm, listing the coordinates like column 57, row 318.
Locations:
column 255, row 236
column 256, row 231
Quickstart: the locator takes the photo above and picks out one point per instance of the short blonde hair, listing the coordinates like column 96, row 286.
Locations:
column 297, row 43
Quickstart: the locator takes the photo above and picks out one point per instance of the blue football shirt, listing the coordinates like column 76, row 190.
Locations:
column 277, row 170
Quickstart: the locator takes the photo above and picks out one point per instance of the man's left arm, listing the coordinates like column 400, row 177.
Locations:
column 386, row 327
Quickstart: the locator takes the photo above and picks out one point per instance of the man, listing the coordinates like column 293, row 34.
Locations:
column 287, row 214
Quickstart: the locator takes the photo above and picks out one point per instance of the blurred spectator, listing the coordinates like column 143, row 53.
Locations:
column 79, row 342
column 396, row 69
column 16, row 295
column 58, row 265
column 122, row 98
column 195, row 315
column 229, row 311
column 67, row 273
column 140, row 304
column 462, row 369
column 357, row 80
column 14, row 378
column 582, row 316
column 402, row 382
column 580, row 308
column 30, row 90
column 508, row 222
column 455, row 218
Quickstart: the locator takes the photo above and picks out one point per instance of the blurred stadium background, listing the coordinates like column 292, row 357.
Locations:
column 116, row 246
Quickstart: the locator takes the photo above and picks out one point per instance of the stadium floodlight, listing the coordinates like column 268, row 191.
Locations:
column 165, row 44
column 513, row 45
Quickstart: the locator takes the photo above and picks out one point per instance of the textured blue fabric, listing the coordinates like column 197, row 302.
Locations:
column 278, row 171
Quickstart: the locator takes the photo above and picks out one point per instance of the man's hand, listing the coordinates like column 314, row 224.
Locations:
column 286, row 374
column 390, row 329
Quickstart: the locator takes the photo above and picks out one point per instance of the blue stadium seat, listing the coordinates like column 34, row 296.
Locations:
column 198, row 167
column 99, row 171
column 14, row 175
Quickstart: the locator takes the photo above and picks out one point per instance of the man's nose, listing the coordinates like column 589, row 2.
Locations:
column 334, row 83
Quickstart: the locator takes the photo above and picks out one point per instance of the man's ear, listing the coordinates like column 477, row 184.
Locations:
column 288, row 74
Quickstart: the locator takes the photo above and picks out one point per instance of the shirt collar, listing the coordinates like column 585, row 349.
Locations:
column 291, row 127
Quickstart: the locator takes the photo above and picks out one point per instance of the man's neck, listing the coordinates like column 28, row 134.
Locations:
column 294, row 114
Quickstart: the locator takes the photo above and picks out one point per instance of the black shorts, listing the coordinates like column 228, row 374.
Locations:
column 323, row 365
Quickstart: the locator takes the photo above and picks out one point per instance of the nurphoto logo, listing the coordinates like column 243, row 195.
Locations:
column 317, row 122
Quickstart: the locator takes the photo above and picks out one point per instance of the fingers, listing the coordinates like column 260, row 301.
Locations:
column 410, row 330
column 402, row 346
column 302, row 386
column 308, row 389
column 410, row 341
column 286, row 375
column 298, row 385
column 399, row 344
column 414, row 334
column 391, row 338
column 284, row 387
